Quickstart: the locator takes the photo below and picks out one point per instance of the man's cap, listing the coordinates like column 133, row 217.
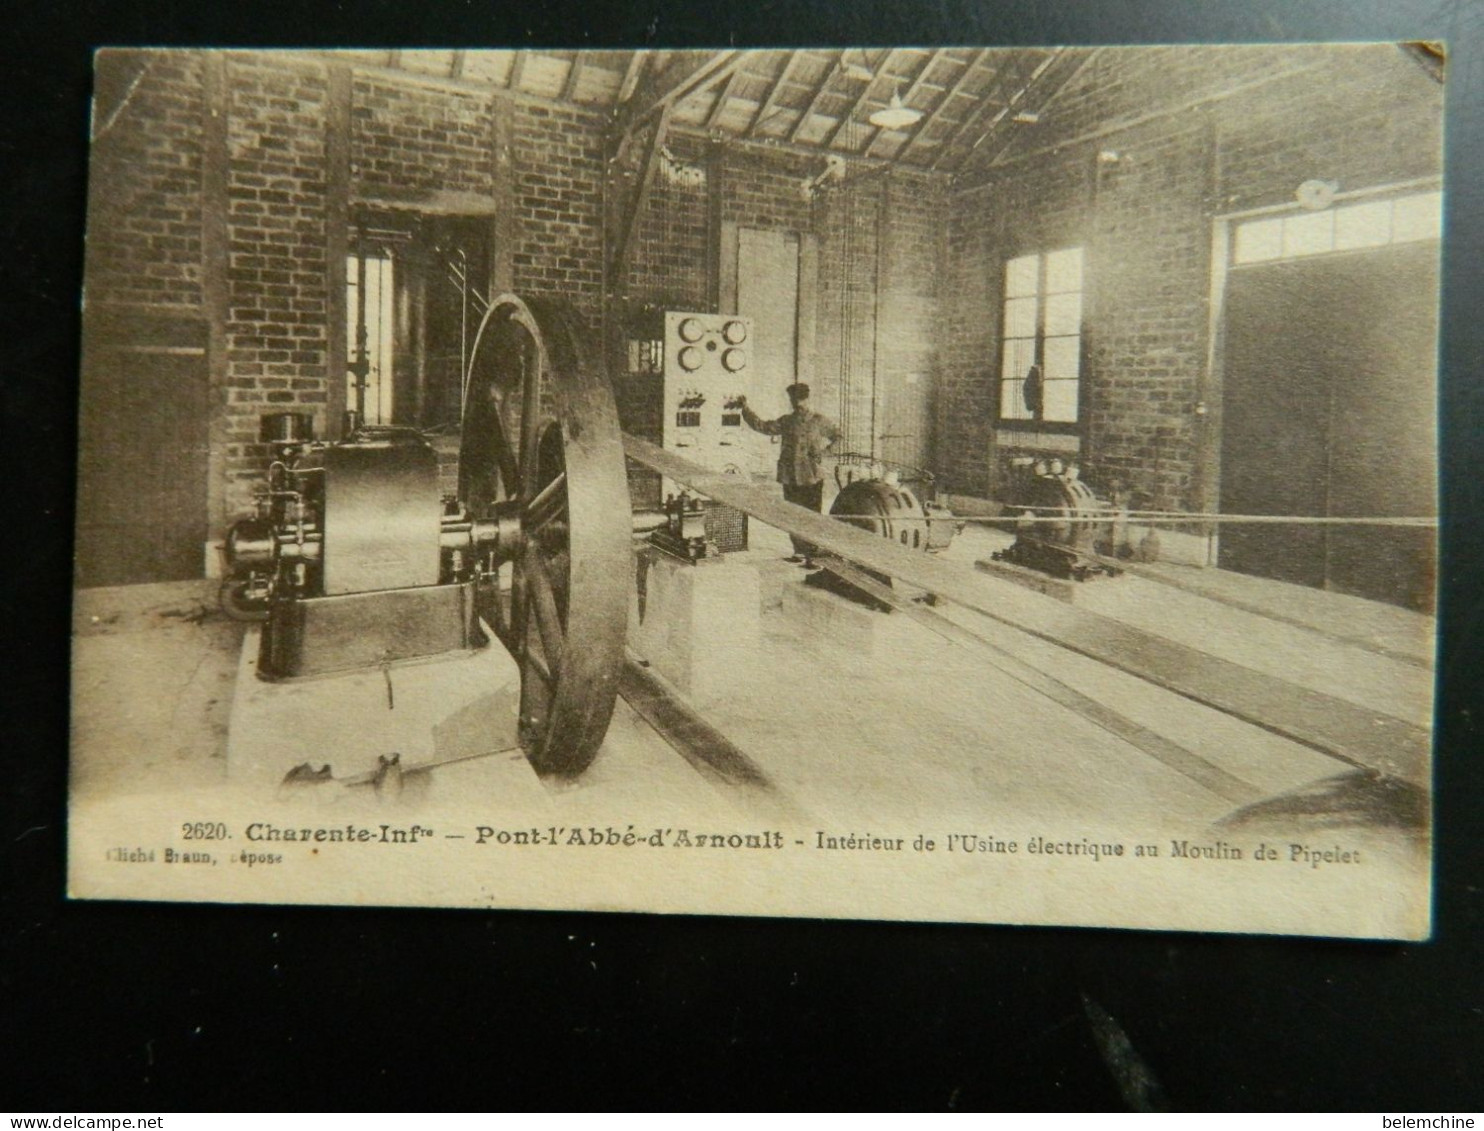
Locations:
column 798, row 392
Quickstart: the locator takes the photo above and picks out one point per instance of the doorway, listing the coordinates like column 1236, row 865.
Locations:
column 1330, row 410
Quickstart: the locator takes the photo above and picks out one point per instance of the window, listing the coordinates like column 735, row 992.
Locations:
column 1041, row 351
column 369, row 340
column 415, row 290
column 1344, row 227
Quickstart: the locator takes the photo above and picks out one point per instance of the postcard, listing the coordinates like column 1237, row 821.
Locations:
column 973, row 484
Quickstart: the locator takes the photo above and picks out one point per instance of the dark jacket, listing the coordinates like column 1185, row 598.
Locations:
column 806, row 437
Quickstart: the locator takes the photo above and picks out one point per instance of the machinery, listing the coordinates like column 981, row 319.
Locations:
column 876, row 497
column 356, row 561
column 351, row 558
column 684, row 534
column 708, row 373
column 1046, row 491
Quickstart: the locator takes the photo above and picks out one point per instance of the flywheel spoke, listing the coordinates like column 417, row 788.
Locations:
column 534, row 378
column 544, row 606
column 548, row 503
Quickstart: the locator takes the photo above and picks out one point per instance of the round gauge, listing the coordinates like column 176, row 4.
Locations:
column 734, row 360
column 690, row 359
column 735, row 333
column 691, row 329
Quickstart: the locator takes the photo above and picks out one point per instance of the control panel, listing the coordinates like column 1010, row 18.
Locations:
column 708, row 371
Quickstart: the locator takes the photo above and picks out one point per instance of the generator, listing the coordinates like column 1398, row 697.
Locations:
column 878, row 496
column 1062, row 528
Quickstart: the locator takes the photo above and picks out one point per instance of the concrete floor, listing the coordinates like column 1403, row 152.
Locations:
column 905, row 728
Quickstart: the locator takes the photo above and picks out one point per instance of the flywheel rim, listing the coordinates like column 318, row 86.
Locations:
column 541, row 438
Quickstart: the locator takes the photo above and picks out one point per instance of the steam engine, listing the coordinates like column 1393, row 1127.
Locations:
column 353, row 558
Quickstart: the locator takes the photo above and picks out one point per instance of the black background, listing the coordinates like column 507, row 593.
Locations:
column 156, row 1007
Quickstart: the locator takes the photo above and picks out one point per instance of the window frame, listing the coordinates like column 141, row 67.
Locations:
column 1037, row 422
column 1283, row 224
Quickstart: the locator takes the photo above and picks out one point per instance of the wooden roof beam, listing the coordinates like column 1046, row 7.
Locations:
column 824, row 84
column 618, row 265
column 574, row 76
column 1021, row 80
column 1048, row 81
column 517, row 70
column 954, row 91
column 912, row 90
column 631, row 75
column 859, row 103
column 765, row 107
column 722, row 99
column 661, row 90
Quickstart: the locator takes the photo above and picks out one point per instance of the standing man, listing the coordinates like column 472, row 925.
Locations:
column 807, row 436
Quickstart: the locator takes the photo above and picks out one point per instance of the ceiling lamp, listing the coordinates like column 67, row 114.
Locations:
column 895, row 116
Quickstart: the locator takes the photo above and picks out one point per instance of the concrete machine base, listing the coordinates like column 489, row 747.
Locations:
column 698, row 626
column 459, row 705
column 830, row 619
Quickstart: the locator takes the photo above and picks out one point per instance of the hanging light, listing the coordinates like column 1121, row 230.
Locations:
column 895, row 116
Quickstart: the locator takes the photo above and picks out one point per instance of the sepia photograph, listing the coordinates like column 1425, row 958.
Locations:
column 942, row 484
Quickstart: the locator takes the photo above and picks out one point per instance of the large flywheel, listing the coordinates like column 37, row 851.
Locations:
column 541, row 454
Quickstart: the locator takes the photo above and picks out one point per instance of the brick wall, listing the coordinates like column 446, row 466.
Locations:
column 144, row 221
column 908, row 359
column 559, row 205
column 672, row 244
column 921, row 257
column 762, row 189
column 1188, row 149
column 277, row 330
column 676, row 243
column 406, row 144
column 408, row 141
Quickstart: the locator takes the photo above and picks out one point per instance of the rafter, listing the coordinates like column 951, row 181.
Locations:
column 517, row 70
column 949, row 95
column 1048, row 81
column 824, row 85
column 661, row 90
column 631, row 75
column 916, row 85
column 865, row 94
column 618, row 265
column 574, row 76
column 985, row 103
column 765, row 108
column 722, row 99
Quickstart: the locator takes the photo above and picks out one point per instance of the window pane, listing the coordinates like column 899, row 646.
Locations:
column 1417, row 217
column 1019, row 356
column 1309, row 234
column 1020, row 318
column 1061, row 358
column 1061, row 401
column 1363, row 225
column 1020, row 275
column 1258, row 240
column 1012, row 402
column 1064, row 314
column 1064, row 270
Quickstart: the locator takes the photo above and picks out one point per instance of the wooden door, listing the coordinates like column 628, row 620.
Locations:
column 1330, row 410
column 142, row 464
